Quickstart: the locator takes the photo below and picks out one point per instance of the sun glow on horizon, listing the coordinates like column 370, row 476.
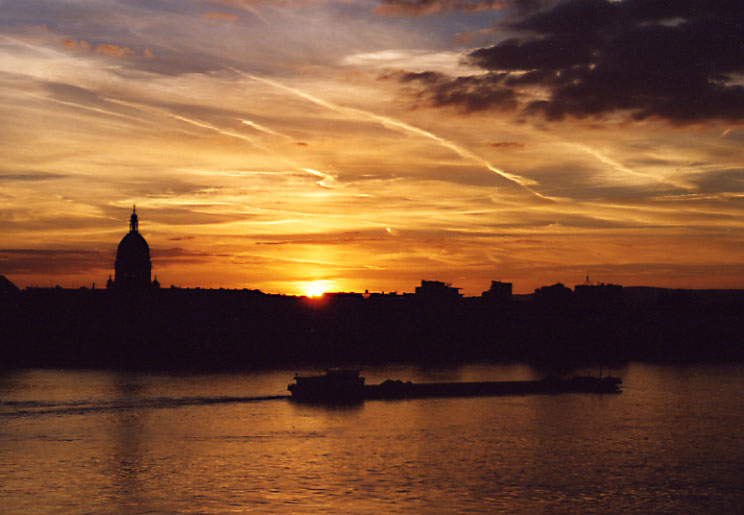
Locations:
column 316, row 288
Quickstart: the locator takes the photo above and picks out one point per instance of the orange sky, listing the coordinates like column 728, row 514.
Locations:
column 294, row 145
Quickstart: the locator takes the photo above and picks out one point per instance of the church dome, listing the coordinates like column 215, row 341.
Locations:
column 133, row 267
column 133, row 248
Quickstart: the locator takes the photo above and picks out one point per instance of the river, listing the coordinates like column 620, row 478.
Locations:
column 115, row 442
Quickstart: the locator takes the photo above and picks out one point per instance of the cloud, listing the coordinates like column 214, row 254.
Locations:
column 332, row 238
column 507, row 144
column 72, row 44
column 51, row 261
column 423, row 7
column 679, row 61
column 178, row 255
column 114, row 50
column 54, row 262
column 470, row 93
column 426, row 7
column 412, row 60
column 462, row 38
column 220, row 16
column 108, row 49
column 717, row 181
column 31, row 176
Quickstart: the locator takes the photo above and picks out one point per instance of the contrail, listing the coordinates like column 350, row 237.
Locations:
column 606, row 160
column 85, row 107
column 262, row 128
column 617, row 165
column 400, row 126
column 190, row 121
column 725, row 133
column 326, row 180
column 667, row 179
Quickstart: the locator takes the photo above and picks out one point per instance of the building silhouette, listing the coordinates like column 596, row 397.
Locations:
column 499, row 292
column 598, row 295
column 557, row 295
column 7, row 288
column 132, row 269
column 437, row 290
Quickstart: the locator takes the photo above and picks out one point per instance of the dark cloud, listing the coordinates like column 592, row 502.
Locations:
column 423, row 7
column 52, row 261
column 677, row 61
column 418, row 7
column 472, row 93
column 730, row 181
column 507, row 144
column 177, row 255
column 84, row 260
column 31, row 176
column 71, row 93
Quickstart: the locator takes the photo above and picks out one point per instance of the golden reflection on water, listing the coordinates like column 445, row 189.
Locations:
column 115, row 443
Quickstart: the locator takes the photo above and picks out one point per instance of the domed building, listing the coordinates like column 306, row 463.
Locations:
column 132, row 268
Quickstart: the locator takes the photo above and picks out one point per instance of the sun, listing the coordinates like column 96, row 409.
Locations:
column 315, row 288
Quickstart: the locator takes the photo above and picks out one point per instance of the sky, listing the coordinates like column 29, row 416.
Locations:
column 296, row 146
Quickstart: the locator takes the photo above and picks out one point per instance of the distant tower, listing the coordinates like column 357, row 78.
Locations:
column 133, row 268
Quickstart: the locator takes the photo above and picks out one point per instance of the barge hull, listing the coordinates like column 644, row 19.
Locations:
column 344, row 387
column 400, row 390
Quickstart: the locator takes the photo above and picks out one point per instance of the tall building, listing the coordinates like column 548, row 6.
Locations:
column 437, row 290
column 133, row 268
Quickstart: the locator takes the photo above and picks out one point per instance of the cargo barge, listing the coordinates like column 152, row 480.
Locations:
column 343, row 386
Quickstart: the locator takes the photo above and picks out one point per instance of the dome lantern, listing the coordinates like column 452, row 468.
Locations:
column 133, row 221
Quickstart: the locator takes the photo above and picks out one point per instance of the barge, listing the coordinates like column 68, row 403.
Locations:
column 344, row 386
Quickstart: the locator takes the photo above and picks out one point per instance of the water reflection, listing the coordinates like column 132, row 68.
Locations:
column 129, row 428
column 325, row 409
column 672, row 442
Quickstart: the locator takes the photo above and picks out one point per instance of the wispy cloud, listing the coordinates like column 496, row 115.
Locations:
column 408, row 129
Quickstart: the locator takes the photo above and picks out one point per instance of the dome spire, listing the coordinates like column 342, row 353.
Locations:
column 133, row 222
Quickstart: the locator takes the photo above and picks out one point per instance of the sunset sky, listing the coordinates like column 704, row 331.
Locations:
column 355, row 145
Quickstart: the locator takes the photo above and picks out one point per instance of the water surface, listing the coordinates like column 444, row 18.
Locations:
column 113, row 442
